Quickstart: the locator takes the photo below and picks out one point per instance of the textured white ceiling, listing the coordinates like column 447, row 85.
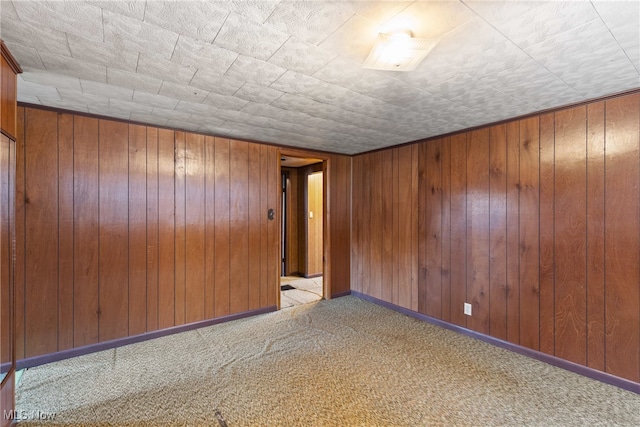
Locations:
column 289, row 72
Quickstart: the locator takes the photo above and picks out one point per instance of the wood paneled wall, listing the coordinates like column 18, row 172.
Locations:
column 535, row 222
column 124, row 229
column 314, row 218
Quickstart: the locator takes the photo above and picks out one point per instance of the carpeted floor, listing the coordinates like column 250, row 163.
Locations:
column 343, row 362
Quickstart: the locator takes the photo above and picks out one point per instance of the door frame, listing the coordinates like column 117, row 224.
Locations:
column 326, row 214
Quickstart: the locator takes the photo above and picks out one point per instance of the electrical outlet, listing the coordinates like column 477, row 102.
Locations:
column 467, row 309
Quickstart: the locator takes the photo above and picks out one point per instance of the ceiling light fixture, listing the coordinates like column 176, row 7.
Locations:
column 398, row 51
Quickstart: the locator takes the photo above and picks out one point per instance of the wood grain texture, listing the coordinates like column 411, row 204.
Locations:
column 222, row 245
column 387, row 227
column 114, row 230
column 478, row 236
column 622, row 248
column 339, row 218
column 138, row 207
column 137, row 229
column 433, row 255
column 238, row 226
column 498, row 232
column 423, row 226
column 180, row 236
column 152, row 229
column 314, row 224
column 513, row 240
column 375, row 226
column 357, row 235
column 458, row 228
column 19, row 276
column 547, row 233
column 65, row 229
column 396, row 256
column 86, row 230
column 595, row 236
column 41, row 177
column 8, row 98
column 445, row 267
column 264, row 227
column 195, row 228
column 6, row 309
column 210, row 224
column 571, row 235
column 166, row 229
column 273, row 262
column 529, row 233
column 366, row 224
column 255, row 218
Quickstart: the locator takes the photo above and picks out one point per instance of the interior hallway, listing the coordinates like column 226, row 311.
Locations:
column 299, row 290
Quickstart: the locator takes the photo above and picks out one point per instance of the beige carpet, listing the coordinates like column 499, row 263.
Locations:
column 344, row 362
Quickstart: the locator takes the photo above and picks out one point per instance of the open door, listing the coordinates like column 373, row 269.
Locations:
column 302, row 234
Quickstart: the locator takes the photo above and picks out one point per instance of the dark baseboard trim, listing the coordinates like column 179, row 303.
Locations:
column 106, row 345
column 340, row 294
column 534, row 354
column 311, row 276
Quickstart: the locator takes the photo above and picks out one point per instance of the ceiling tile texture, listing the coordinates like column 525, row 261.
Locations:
column 289, row 72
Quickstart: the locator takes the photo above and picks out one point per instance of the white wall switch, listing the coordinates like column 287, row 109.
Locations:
column 311, row 214
column 467, row 309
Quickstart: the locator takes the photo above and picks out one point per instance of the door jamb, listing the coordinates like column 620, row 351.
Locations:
column 326, row 215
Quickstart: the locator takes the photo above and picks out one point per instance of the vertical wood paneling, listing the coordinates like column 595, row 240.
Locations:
column 152, row 229
column 433, row 219
column 195, row 228
column 166, row 229
column 458, row 228
column 571, row 235
column 529, row 233
column 181, row 229
column 478, row 236
column 356, row 224
column 114, row 230
column 513, row 239
column 5, row 251
column 238, row 226
column 414, row 227
column 395, row 206
column 547, row 225
column 595, row 236
column 65, row 229
column 537, row 222
column 255, row 217
column 113, row 213
column 366, row 224
column 210, row 222
column 423, row 225
column 445, row 268
column 622, row 248
column 19, row 276
column 41, row 179
column 498, row 232
column 222, row 227
column 273, row 273
column 375, row 266
column 264, row 228
column 86, row 222
column 387, row 227
column 137, row 229
column 339, row 218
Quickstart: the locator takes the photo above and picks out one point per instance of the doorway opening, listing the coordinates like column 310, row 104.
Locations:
column 302, row 228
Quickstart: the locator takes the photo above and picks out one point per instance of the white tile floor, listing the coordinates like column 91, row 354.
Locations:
column 306, row 291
